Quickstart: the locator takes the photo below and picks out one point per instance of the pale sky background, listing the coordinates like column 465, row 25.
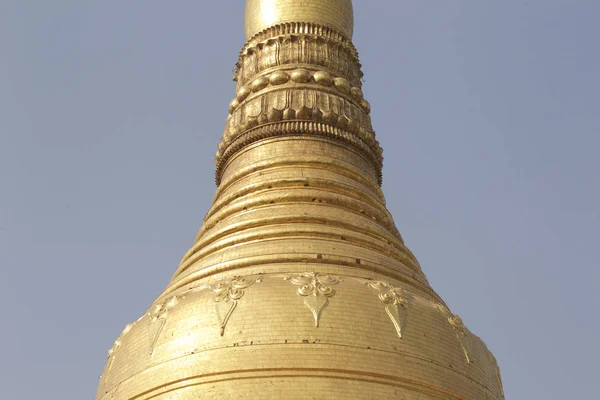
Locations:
column 488, row 112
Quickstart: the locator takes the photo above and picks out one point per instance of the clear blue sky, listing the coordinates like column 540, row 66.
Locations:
column 488, row 113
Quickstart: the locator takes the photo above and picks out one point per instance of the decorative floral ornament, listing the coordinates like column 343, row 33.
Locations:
column 112, row 352
column 158, row 319
column 316, row 290
column 227, row 294
column 462, row 334
column 397, row 302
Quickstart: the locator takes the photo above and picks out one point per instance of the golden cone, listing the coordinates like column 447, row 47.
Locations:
column 299, row 284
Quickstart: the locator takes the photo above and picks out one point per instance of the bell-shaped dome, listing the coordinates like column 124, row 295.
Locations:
column 299, row 285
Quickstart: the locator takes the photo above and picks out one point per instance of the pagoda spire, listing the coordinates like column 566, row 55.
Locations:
column 299, row 284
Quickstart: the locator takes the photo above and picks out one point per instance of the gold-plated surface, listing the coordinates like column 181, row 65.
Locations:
column 336, row 14
column 299, row 284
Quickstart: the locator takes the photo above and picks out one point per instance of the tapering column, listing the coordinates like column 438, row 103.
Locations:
column 299, row 285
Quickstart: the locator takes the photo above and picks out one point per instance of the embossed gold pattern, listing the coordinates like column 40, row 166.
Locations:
column 316, row 290
column 158, row 318
column 227, row 294
column 397, row 301
column 299, row 284
column 298, row 72
column 462, row 334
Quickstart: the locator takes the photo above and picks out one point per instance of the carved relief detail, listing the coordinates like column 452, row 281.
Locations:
column 374, row 153
column 292, row 45
column 397, row 301
column 113, row 351
column 316, row 290
column 289, row 28
column 227, row 294
column 328, row 113
column 303, row 76
column 462, row 334
column 298, row 72
column 300, row 104
column 158, row 318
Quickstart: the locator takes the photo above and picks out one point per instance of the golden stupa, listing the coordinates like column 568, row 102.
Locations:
column 299, row 285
